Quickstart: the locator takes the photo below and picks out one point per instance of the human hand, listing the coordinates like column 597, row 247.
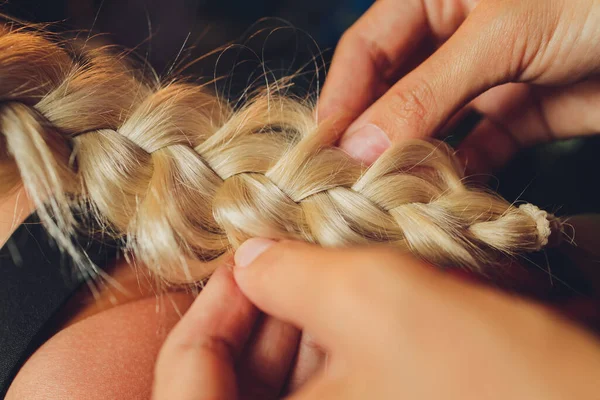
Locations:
column 549, row 50
column 394, row 327
column 223, row 349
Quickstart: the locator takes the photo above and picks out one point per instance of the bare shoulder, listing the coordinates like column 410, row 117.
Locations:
column 103, row 351
column 109, row 355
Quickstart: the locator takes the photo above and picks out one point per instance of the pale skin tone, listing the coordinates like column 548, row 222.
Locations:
column 392, row 326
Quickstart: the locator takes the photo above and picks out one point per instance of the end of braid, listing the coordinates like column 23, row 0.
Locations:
column 548, row 226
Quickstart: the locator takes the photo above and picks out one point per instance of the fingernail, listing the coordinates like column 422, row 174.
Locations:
column 366, row 143
column 250, row 250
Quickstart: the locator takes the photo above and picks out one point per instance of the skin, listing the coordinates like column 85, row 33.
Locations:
column 392, row 326
column 105, row 345
column 541, row 48
column 402, row 330
column 105, row 356
column 405, row 68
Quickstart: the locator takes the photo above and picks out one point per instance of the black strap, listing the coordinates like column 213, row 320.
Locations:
column 36, row 279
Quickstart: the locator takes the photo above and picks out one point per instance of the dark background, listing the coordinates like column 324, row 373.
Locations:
column 286, row 36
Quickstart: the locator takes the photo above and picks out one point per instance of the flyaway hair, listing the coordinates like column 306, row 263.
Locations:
column 180, row 174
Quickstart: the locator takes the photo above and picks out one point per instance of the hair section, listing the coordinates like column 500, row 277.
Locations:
column 180, row 174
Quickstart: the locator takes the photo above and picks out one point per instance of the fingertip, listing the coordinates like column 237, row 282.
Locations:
column 365, row 143
column 250, row 250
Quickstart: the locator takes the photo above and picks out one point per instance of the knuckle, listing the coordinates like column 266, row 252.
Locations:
column 175, row 352
column 506, row 25
column 309, row 343
column 215, row 345
column 411, row 106
column 359, row 41
column 349, row 40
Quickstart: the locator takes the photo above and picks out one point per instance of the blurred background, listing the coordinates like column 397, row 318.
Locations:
column 282, row 35
column 287, row 36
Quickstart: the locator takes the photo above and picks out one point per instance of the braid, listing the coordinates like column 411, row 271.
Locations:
column 179, row 174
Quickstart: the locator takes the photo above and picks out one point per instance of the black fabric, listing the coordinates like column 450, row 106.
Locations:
column 36, row 279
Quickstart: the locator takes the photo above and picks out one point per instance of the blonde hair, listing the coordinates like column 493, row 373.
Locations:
column 179, row 173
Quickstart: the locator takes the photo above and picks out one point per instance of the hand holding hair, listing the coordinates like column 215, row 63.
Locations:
column 220, row 343
column 224, row 349
column 393, row 328
column 182, row 177
column 406, row 67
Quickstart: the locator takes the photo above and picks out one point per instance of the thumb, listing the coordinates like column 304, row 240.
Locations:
column 288, row 280
column 323, row 291
column 481, row 54
column 323, row 388
column 310, row 286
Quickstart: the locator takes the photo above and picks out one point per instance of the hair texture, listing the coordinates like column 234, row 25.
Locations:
column 180, row 174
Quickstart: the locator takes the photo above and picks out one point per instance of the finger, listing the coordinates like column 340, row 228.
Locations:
column 460, row 125
column 487, row 148
column 268, row 359
column 489, row 145
column 473, row 60
column 286, row 279
column 519, row 116
column 323, row 387
column 367, row 52
column 377, row 45
column 495, row 104
column 310, row 360
column 311, row 286
column 197, row 359
column 570, row 111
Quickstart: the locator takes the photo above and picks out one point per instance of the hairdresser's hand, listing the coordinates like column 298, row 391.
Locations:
column 224, row 349
column 551, row 46
column 395, row 328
